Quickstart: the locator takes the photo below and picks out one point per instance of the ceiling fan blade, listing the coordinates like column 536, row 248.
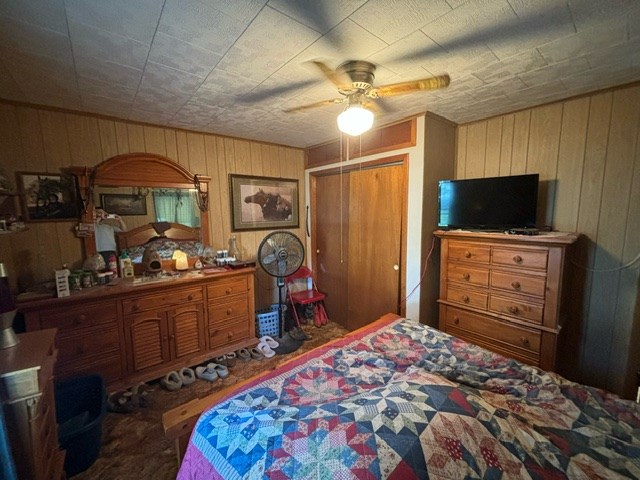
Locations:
column 274, row 92
column 393, row 89
column 339, row 79
column 314, row 105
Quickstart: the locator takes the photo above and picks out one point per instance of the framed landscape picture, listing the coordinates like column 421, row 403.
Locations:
column 47, row 196
column 124, row 204
column 263, row 203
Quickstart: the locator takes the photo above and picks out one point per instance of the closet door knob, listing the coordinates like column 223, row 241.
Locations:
column 396, row 267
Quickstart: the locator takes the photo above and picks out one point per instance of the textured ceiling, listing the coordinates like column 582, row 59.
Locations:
column 231, row 66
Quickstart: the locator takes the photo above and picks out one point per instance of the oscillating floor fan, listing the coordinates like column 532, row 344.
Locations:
column 281, row 254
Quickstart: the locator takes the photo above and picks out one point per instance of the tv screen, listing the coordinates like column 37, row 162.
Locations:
column 496, row 203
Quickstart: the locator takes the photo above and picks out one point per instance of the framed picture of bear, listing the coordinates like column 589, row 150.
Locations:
column 263, row 203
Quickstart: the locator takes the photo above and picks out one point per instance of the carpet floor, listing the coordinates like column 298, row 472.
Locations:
column 134, row 445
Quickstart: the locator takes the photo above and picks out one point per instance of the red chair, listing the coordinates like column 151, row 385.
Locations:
column 302, row 290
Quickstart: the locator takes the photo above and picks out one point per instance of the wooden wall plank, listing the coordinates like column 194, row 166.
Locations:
column 108, row 138
column 136, row 137
column 197, row 157
column 461, row 151
column 542, row 157
column 171, row 144
column 31, row 141
column 122, row 137
column 54, row 139
column 154, row 141
column 520, row 148
column 506, row 146
column 11, row 151
column 573, row 139
column 476, row 150
column 84, row 140
column 216, row 207
column 183, row 151
column 494, row 144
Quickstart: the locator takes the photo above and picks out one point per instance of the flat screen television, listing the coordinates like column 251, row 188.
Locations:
column 495, row 203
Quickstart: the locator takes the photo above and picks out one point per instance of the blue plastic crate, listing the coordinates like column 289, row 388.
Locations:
column 267, row 321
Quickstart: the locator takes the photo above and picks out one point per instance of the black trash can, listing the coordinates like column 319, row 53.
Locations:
column 81, row 404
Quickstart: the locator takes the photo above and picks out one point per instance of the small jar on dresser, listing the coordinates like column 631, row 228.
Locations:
column 504, row 292
column 28, row 400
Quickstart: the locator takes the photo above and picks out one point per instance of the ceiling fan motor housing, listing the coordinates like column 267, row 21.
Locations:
column 360, row 72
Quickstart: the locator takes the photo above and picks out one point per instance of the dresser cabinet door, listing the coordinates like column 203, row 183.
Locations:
column 186, row 330
column 148, row 339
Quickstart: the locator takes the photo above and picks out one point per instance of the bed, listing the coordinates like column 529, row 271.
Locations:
column 398, row 399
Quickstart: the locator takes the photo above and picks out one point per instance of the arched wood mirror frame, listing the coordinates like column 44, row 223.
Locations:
column 139, row 170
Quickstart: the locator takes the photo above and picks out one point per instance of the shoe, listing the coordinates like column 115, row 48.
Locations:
column 231, row 359
column 256, row 354
column 221, row 370
column 203, row 372
column 172, row 381
column 243, row 354
column 139, row 395
column 222, row 360
column 298, row 334
column 120, row 402
column 265, row 349
column 187, row 376
column 269, row 341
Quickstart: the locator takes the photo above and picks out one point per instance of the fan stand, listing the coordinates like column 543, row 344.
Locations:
column 286, row 344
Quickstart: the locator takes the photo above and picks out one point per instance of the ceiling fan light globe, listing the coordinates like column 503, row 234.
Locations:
column 355, row 120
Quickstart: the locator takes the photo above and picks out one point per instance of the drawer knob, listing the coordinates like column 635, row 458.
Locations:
column 515, row 285
column 135, row 307
column 524, row 340
column 517, row 259
column 229, row 311
column 467, row 254
column 229, row 336
column 190, row 297
column 227, row 291
column 466, row 276
column 513, row 309
column 456, row 320
column 465, row 298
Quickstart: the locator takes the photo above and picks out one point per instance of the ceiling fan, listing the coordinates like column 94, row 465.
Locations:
column 354, row 81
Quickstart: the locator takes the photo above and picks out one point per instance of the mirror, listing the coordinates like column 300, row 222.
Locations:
column 143, row 188
column 138, row 206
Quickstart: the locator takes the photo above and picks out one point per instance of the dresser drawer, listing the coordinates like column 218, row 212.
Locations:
column 469, row 275
column 517, row 283
column 73, row 348
column 517, row 308
column 220, row 335
column 460, row 322
column 520, row 258
column 222, row 290
column 223, row 312
column 469, row 252
column 167, row 299
column 108, row 365
column 79, row 318
column 467, row 297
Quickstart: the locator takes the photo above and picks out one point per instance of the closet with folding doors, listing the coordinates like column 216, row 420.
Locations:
column 358, row 223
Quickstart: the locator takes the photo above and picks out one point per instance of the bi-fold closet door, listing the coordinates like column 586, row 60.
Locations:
column 358, row 220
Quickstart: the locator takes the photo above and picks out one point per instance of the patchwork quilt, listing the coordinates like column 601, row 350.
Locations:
column 401, row 400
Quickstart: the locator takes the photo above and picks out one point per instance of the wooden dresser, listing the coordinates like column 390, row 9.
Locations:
column 130, row 333
column 503, row 292
column 27, row 393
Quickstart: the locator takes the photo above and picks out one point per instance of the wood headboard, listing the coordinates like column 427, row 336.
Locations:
column 141, row 235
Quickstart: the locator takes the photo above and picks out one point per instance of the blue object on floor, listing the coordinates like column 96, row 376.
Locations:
column 81, row 403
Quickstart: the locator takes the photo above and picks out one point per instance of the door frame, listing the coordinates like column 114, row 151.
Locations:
column 400, row 159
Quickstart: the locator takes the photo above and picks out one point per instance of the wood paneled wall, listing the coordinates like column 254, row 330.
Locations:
column 42, row 140
column 587, row 151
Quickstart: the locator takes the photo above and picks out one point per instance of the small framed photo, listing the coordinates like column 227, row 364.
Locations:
column 124, row 204
column 47, row 196
column 263, row 203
